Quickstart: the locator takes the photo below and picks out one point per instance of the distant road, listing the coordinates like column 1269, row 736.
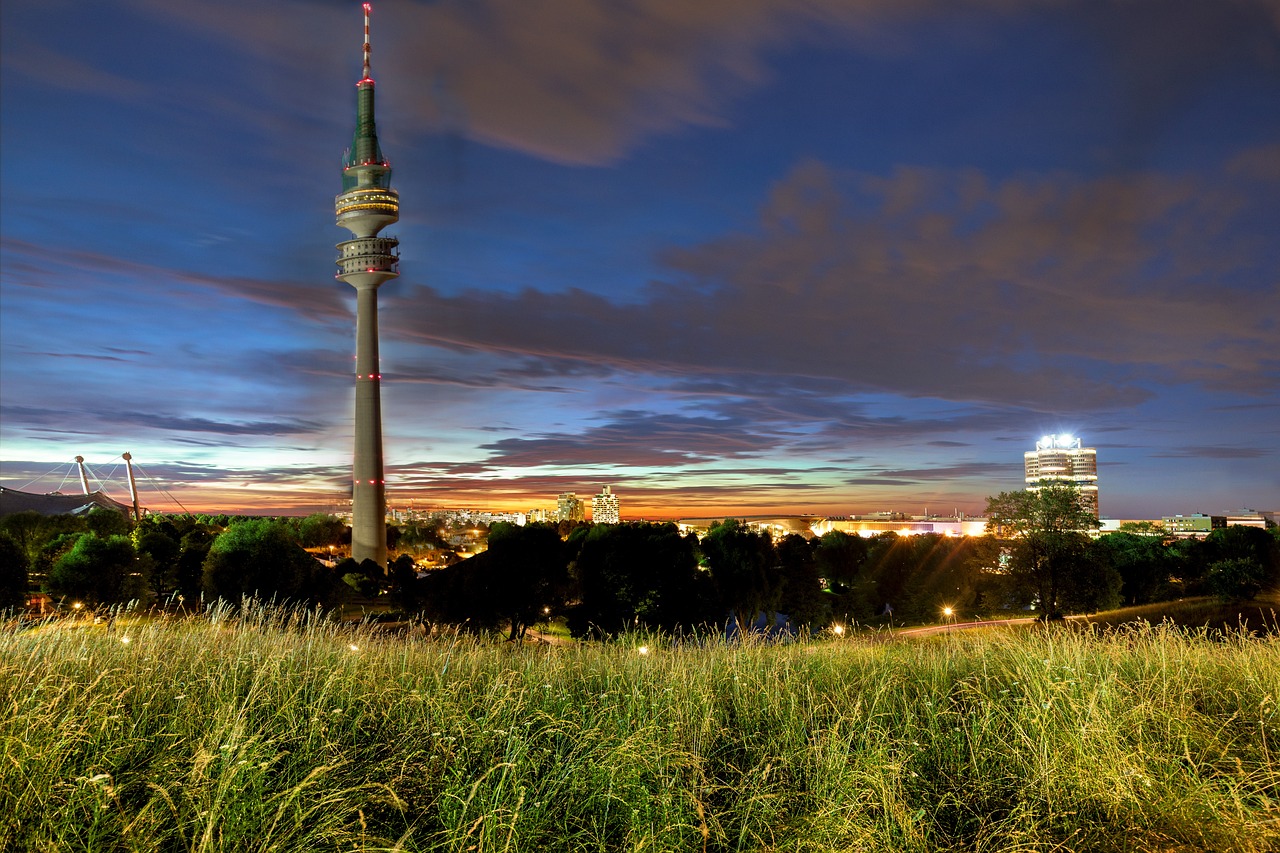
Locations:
column 959, row 626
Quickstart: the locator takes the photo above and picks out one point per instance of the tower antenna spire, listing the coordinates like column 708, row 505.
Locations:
column 368, row 48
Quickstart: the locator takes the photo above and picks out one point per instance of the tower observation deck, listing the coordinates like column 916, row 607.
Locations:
column 366, row 205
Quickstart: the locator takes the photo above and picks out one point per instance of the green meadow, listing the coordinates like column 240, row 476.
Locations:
column 284, row 732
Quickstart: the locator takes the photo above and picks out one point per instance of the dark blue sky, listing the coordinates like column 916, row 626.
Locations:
column 734, row 256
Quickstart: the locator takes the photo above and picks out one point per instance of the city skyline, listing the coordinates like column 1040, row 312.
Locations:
column 738, row 258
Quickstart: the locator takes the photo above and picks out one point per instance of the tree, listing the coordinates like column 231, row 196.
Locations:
column 320, row 530
column 13, row 573
column 95, row 570
column 525, row 572
column 842, row 560
column 194, row 545
column 403, row 577
column 745, row 568
column 33, row 531
column 107, row 522
column 802, row 597
column 156, row 542
column 1236, row 578
column 839, row 558
column 1045, row 530
column 637, row 573
column 510, row 584
column 1092, row 584
column 261, row 557
column 1253, row 544
column 1144, row 563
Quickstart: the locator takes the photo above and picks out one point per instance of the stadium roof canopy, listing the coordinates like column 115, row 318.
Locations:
column 56, row 503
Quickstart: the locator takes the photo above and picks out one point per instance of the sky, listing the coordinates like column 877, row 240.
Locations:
column 731, row 257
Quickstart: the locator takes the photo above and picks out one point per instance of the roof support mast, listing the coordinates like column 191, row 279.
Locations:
column 84, row 476
column 133, row 486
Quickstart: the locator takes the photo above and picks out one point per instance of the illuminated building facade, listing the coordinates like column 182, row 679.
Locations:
column 1194, row 525
column 604, row 507
column 366, row 205
column 569, row 507
column 1062, row 459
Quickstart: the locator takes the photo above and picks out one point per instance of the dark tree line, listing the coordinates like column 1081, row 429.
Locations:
column 604, row 579
column 102, row 558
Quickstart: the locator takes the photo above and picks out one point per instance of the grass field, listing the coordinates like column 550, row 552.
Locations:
column 280, row 733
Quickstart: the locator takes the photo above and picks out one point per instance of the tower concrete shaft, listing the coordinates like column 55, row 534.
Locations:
column 366, row 205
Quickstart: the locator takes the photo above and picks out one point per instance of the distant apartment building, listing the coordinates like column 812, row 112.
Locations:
column 540, row 515
column 1062, row 459
column 604, row 507
column 570, row 508
column 1251, row 518
column 1197, row 524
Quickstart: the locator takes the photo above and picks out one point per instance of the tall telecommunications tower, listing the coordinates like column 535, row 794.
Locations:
column 366, row 205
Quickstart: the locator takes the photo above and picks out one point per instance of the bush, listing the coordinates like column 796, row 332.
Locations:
column 1235, row 578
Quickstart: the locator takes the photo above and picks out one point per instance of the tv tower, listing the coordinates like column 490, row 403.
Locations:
column 366, row 205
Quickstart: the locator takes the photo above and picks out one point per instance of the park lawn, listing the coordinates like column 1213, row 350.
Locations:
column 283, row 732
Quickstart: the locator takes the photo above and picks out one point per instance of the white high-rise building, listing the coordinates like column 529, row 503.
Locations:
column 604, row 507
column 1062, row 459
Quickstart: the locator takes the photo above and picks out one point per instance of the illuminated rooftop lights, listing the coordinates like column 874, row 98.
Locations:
column 1061, row 441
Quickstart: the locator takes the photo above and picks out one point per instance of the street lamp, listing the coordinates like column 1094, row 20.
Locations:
column 838, row 630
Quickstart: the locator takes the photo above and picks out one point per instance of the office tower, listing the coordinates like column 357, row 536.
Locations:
column 1062, row 459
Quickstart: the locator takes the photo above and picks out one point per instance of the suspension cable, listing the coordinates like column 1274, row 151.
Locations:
column 161, row 489
column 42, row 476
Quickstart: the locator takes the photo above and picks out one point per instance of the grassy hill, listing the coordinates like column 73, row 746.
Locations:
column 1261, row 615
column 278, row 732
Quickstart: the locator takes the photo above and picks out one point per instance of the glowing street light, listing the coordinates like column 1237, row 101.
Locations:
column 838, row 630
column 644, row 650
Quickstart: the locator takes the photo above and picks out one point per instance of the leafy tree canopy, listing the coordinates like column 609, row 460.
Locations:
column 94, row 570
column 13, row 573
column 1045, row 529
column 745, row 568
column 262, row 558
